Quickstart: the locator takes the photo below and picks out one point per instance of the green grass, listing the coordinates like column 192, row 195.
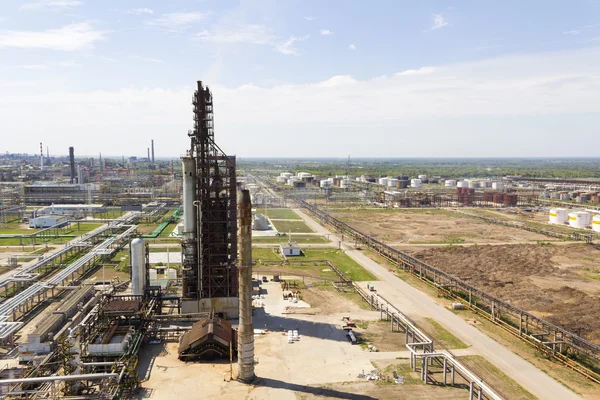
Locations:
column 265, row 254
column 299, row 238
column 168, row 229
column 443, row 336
column 340, row 260
column 496, row 378
column 403, row 370
column 293, row 226
column 278, row 213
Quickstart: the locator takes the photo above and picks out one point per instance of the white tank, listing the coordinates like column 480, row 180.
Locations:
column 189, row 194
column 345, row 183
column 172, row 273
column 596, row 223
column 559, row 216
column 422, row 177
column 473, row 184
column 325, row 183
column 450, row 182
column 281, row 179
column 286, row 174
column 416, row 183
column 462, row 184
column 383, row 181
column 498, row 185
column 580, row 219
column 392, row 182
column 138, row 266
column 152, row 274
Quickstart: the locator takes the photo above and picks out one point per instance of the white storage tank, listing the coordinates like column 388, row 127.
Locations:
column 392, row 182
column 172, row 273
column 596, row 223
column 450, row 182
column 152, row 274
column 497, row 185
column 422, row 177
column 473, row 184
column 416, row 183
column 325, row 183
column 138, row 266
column 383, row 181
column 462, row 184
column 281, row 179
column 559, row 216
column 580, row 219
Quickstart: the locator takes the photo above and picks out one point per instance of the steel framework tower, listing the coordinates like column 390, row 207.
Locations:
column 210, row 252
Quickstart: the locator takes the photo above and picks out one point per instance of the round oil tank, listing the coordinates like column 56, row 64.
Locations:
column 281, row 179
column 325, row 183
column 345, row 183
column 138, row 266
column 579, row 219
column 450, row 182
column 416, row 183
column 497, row 185
column 152, row 274
column 596, row 223
column 462, row 184
column 392, row 182
column 559, row 215
column 383, row 181
column 172, row 273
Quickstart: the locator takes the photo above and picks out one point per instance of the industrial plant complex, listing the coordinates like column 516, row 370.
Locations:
column 212, row 277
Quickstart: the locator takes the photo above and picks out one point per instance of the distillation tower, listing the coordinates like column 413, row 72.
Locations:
column 209, row 244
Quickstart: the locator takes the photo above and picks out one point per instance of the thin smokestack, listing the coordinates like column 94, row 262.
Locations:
column 152, row 151
column 72, row 163
column 245, row 329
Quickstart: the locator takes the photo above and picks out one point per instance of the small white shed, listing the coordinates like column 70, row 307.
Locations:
column 290, row 249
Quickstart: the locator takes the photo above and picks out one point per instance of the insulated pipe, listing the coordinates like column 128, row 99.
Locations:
column 189, row 194
column 246, row 329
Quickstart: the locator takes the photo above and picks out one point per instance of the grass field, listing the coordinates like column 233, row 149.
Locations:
column 265, row 254
column 299, row 238
column 340, row 260
column 293, row 226
column 278, row 213
column 441, row 335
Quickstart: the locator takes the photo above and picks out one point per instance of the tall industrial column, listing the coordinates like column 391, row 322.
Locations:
column 246, row 329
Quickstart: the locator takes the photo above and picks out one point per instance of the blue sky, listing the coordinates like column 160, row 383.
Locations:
column 303, row 78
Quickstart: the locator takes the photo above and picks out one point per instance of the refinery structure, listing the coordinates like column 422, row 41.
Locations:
column 206, row 277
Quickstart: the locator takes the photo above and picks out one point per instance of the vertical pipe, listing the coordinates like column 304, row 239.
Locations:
column 246, row 329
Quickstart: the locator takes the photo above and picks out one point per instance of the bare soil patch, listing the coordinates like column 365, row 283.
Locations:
column 554, row 282
column 431, row 226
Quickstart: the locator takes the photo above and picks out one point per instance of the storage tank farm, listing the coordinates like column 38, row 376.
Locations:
column 596, row 223
column 209, row 245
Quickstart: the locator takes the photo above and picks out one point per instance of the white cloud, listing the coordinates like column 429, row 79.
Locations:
column 442, row 102
column 309, row 18
column 438, row 22
column 177, row 20
column 51, row 4
column 326, row 32
column 352, row 46
column 420, row 71
column 250, row 34
column 140, row 11
column 148, row 59
column 287, row 46
column 68, row 38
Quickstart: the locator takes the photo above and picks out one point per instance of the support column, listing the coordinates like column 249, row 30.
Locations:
column 470, row 390
column 445, row 370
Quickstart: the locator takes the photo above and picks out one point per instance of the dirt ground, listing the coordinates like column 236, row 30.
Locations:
column 559, row 283
column 431, row 226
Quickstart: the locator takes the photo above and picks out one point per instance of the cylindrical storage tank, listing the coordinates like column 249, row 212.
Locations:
column 325, row 183
column 462, row 184
column 510, row 200
column 402, row 184
column 422, row 177
column 497, row 185
column 473, row 184
column 152, row 274
column 392, row 182
column 559, row 215
column 286, row 175
column 172, row 273
column 189, row 194
column 565, row 196
column 281, row 179
column 383, row 181
column 138, row 266
column 580, row 219
column 498, row 198
column 450, row 182
column 596, row 223
column 416, row 183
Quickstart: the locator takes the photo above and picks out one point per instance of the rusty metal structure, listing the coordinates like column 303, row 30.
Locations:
column 210, row 238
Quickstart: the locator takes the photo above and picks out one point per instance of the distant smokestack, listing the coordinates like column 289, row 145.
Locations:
column 72, row 163
column 152, row 151
column 148, row 153
column 101, row 165
column 245, row 329
column 41, row 157
column 47, row 153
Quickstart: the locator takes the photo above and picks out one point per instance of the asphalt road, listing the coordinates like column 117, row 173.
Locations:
column 415, row 303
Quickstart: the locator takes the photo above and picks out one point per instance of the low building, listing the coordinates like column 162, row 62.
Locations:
column 47, row 221
column 290, row 249
column 208, row 339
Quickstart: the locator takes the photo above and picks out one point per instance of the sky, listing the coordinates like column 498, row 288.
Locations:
column 303, row 78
